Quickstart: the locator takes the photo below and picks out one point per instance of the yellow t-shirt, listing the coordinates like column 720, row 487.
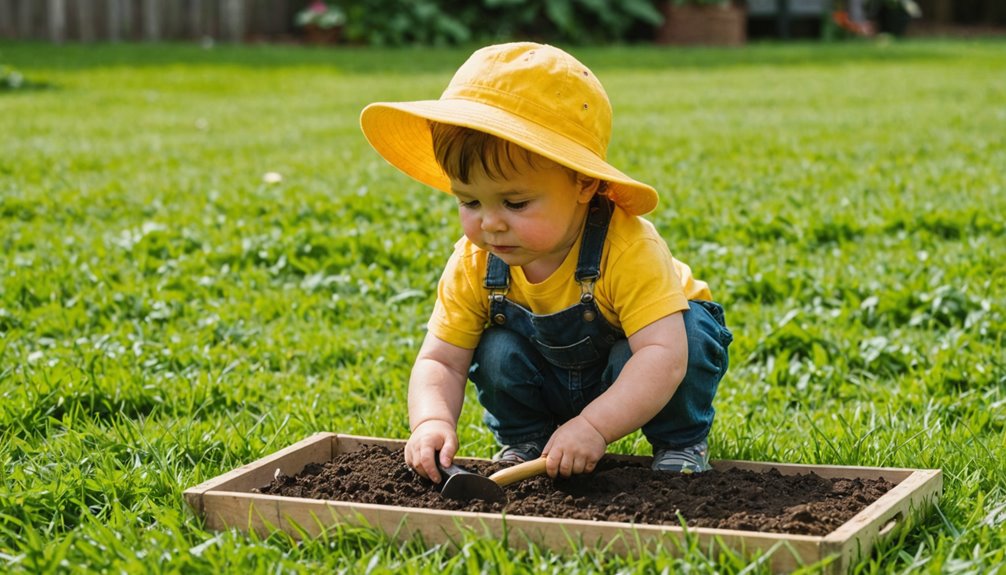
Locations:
column 640, row 283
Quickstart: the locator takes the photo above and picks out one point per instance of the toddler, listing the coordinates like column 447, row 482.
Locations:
column 561, row 304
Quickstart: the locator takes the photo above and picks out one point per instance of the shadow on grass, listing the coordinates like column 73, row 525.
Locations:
column 27, row 87
column 12, row 80
column 418, row 60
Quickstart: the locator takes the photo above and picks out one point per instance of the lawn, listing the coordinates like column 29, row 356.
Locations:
column 168, row 314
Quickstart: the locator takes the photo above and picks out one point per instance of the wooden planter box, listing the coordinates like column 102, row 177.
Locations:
column 702, row 25
column 227, row 501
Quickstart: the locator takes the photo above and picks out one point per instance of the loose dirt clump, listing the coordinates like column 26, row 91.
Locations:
column 616, row 491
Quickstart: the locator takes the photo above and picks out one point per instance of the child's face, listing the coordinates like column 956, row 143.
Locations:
column 531, row 218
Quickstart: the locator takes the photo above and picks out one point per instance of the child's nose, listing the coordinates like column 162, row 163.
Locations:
column 492, row 222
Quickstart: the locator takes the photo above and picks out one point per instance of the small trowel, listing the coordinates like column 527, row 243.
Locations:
column 464, row 485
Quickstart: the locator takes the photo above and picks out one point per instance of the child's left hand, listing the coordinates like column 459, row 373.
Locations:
column 575, row 447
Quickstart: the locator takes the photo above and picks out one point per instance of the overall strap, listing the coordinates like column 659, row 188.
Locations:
column 497, row 281
column 588, row 266
column 497, row 275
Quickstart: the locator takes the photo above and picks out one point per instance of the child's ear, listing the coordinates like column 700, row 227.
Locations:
column 588, row 187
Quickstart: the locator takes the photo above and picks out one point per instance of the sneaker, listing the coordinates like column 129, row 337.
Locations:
column 519, row 452
column 694, row 459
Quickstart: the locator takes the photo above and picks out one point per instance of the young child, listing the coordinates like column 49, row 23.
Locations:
column 562, row 305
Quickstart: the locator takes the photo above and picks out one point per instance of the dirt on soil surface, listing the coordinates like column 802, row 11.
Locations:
column 615, row 491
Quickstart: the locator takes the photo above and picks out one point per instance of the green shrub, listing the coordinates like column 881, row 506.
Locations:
column 449, row 22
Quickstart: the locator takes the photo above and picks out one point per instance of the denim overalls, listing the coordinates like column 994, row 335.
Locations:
column 535, row 372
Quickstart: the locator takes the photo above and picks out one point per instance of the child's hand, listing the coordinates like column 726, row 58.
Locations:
column 427, row 439
column 575, row 447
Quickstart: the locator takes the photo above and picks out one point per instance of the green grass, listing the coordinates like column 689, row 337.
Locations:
column 166, row 315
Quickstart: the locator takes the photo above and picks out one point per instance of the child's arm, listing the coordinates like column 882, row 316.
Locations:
column 647, row 382
column 436, row 394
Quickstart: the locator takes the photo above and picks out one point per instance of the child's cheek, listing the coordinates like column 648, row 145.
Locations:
column 537, row 235
column 472, row 228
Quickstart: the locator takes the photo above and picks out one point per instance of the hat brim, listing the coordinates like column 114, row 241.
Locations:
column 400, row 132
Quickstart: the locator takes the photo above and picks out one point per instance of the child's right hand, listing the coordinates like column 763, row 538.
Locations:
column 429, row 438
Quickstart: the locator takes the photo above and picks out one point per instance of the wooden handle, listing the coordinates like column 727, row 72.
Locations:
column 519, row 472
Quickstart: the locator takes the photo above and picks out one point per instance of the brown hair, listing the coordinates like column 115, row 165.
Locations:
column 459, row 149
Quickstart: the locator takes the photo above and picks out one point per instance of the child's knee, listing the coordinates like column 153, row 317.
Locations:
column 708, row 340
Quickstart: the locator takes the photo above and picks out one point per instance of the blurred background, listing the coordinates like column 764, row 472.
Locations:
column 451, row 22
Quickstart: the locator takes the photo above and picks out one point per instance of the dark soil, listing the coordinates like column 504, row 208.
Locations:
column 615, row 491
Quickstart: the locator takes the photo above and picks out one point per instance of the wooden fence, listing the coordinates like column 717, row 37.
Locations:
column 147, row 20
column 271, row 20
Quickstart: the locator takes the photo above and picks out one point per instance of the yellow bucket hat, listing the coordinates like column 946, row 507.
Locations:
column 534, row 95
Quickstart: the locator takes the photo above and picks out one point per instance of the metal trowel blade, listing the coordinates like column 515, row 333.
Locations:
column 464, row 485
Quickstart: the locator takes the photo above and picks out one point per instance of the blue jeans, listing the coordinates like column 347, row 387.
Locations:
column 526, row 397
